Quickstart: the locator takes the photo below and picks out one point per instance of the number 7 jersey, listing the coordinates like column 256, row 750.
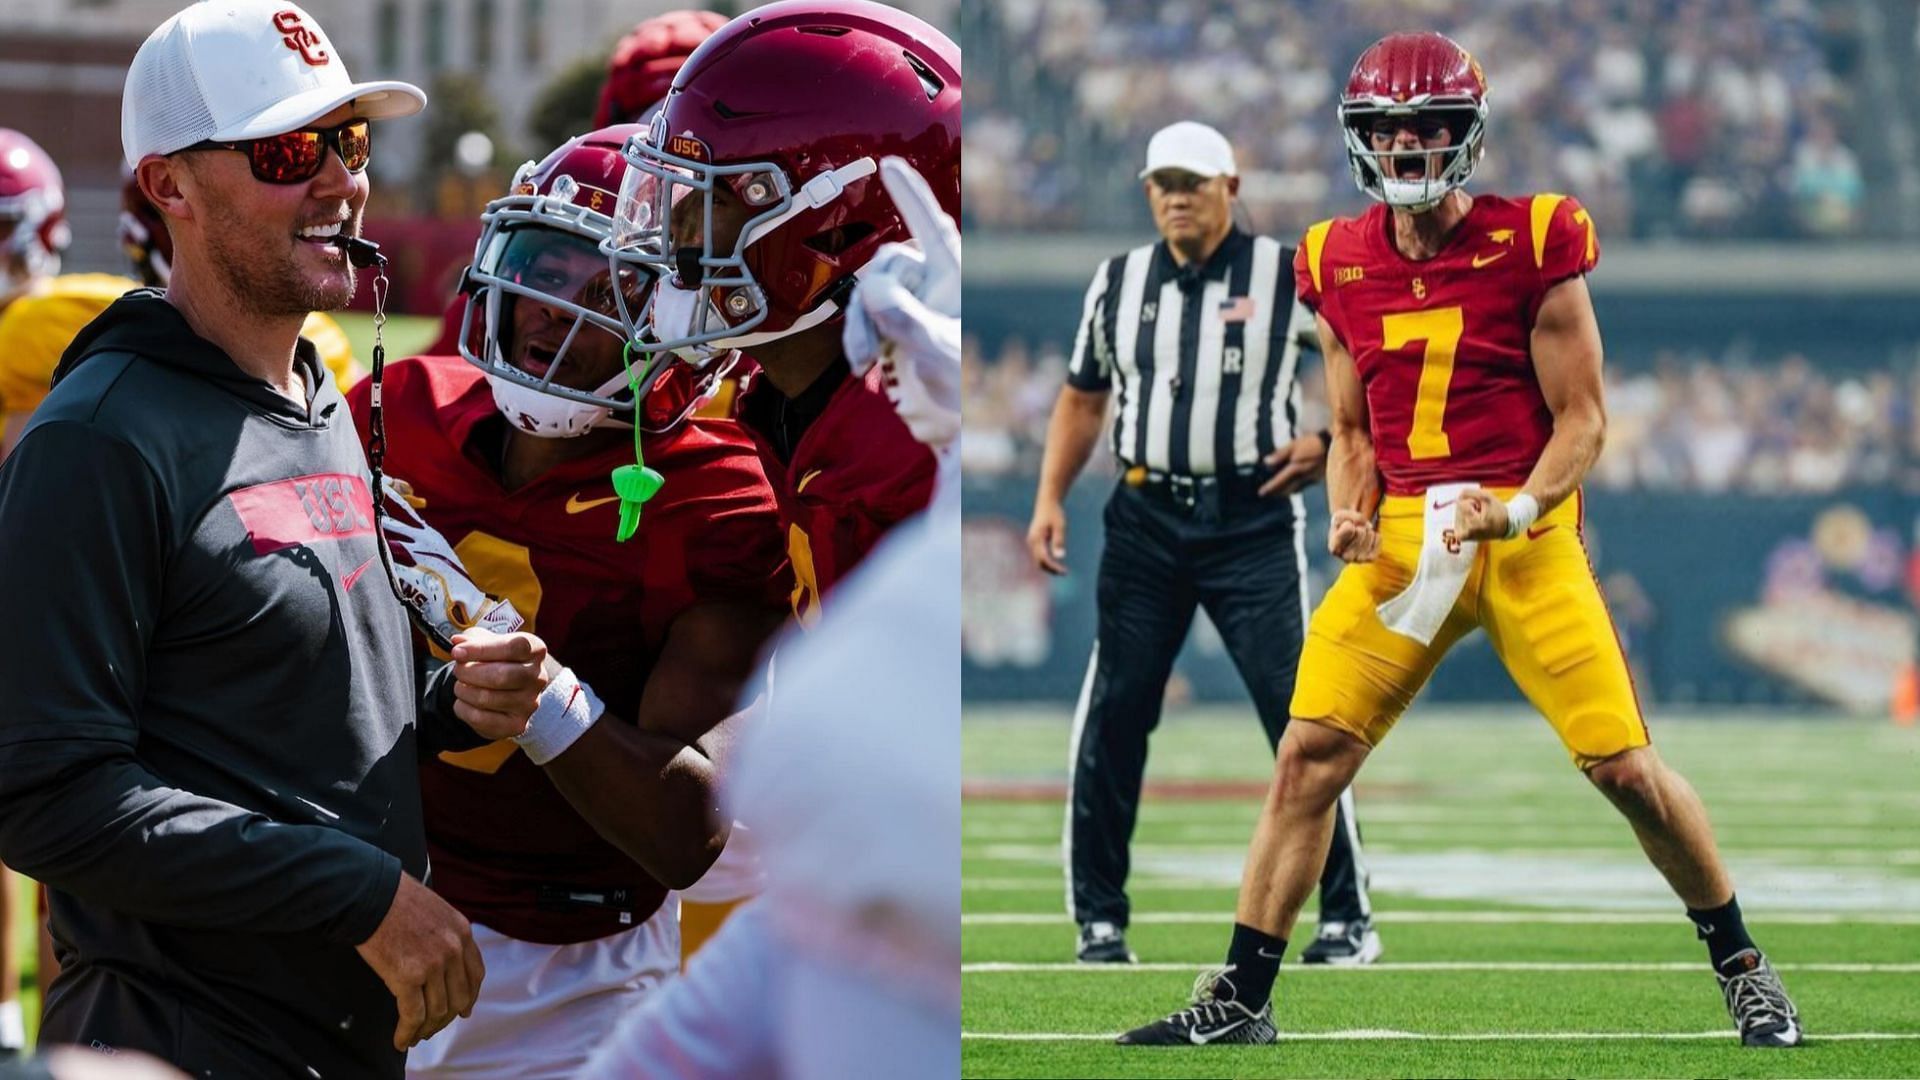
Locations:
column 1442, row 345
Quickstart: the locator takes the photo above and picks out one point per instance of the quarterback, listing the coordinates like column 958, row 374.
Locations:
column 1464, row 374
column 562, row 845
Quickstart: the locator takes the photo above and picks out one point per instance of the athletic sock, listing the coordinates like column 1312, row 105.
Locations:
column 13, row 1031
column 1723, row 930
column 1255, row 958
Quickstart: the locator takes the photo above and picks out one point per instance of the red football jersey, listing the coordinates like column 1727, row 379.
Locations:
column 505, row 844
column 856, row 472
column 1442, row 345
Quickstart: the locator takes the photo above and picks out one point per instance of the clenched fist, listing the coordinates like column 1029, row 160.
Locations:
column 1352, row 537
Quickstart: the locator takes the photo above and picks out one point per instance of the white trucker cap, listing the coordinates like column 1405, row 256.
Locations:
column 242, row 69
column 1192, row 146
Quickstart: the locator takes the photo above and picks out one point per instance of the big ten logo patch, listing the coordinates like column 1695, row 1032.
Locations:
column 301, row 38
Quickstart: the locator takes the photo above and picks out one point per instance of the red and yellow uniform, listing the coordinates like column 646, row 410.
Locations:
column 855, row 473
column 507, row 848
column 1442, row 350
column 38, row 327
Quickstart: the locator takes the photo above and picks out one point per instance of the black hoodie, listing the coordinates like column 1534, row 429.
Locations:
column 208, row 742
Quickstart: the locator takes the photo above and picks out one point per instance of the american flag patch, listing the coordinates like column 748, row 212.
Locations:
column 1238, row 309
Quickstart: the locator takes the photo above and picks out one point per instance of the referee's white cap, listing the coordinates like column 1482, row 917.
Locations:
column 227, row 70
column 1191, row 146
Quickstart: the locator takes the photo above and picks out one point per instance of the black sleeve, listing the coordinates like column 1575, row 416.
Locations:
column 84, row 546
column 440, row 729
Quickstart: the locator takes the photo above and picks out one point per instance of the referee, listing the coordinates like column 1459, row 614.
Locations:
column 1194, row 332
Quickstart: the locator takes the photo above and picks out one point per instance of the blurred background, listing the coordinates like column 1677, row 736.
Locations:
column 1754, row 170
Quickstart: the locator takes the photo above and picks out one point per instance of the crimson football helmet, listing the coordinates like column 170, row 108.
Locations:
column 143, row 234
column 1429, row 81
column 542, row 241
column 783, row 117
column 645, row 62
column 33, row 215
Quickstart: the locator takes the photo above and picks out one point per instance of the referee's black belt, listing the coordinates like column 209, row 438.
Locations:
column 1188, row 492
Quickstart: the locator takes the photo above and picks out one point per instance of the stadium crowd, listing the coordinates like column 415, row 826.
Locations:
column 1762, row 425
column 1688, row 120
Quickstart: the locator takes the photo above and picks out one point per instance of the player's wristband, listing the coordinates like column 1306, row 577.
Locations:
column 568, row 707
column 1522, row 512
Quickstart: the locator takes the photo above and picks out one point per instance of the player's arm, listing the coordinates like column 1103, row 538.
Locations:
column 1353, row 476
column 1566, row 359
column 651, row 787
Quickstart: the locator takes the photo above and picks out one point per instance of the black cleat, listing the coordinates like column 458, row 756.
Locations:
column 1344, row 944
column 1214, row 1017
column 1760, row 1006
column 1102, row 942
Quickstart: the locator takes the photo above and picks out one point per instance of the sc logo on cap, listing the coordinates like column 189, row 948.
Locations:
column 300, row 39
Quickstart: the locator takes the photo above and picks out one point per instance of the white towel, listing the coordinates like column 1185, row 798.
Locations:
column 1420, row 610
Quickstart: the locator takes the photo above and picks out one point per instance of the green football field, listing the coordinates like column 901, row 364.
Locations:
column 1525, row 935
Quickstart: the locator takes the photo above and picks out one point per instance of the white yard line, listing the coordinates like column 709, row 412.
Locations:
column 1003, row 968
column 1375, row 1035
column 1760, row 916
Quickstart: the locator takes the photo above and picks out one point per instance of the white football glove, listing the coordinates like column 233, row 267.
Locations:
column 431, row 578
column 905, row 311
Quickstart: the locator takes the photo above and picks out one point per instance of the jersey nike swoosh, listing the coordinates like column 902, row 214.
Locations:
column 1198, row 1039
column 1444, row 505
column 1538, row 531
column 354, row 576
column 805, row 480
column 1479, row 261
column 576, row 504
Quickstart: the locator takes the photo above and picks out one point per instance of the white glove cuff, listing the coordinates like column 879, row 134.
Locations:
column 568, row 707
column 1522, row 512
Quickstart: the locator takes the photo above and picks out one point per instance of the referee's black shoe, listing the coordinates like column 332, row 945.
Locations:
column 1213, row 1017
column 1102, row 942
column 1344, row 944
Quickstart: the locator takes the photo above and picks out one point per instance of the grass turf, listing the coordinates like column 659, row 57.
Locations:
column 1490, row 848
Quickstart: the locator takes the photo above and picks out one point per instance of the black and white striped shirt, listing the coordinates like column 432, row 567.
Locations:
column 1205, row 357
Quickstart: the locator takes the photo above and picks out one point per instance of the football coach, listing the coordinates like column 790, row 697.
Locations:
column 209, row 748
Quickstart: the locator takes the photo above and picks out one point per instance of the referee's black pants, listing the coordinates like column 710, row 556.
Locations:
column 1241, row 559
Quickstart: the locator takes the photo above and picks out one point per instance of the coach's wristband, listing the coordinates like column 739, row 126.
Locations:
column 1522, row 512
column 568, row 707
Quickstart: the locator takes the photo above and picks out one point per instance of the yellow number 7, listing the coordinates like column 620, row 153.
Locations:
column 1440, row 328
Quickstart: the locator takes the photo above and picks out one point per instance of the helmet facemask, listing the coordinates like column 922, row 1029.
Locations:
column 547, row 249
column 708, row 300
column 1377, row 172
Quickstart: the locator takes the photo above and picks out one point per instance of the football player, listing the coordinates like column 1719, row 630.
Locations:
column 1464, row 373
column 850, row 963
column 759, row 230
column 562, row 850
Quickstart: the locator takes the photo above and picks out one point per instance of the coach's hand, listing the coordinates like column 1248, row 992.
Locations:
column 1301, row 464
column 1352, row 537
column 424, row 952
column 497, row 680
column 1480, row 515
column 1047, row 537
